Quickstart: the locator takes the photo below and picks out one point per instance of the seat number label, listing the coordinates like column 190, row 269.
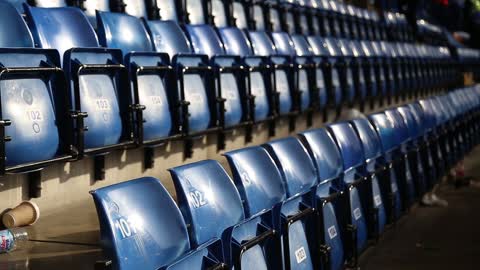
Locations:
column 125, row 228
column 332, row 232
column 35, row 115
column 197, row 198
column 357, row 213
column 102, row 104
column 156, row 100
column 300, row 254
column 378, row 200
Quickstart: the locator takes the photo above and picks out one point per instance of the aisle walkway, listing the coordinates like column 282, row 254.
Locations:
column 434, row 238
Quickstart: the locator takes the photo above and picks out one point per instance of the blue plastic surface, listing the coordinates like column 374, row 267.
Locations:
column 168, row 37
column 261, row 43
column 349, row 145
column 207, row 198
column 122, row 31
column 235, row 41
column 28, row 103
column 294, row 163
column 13, row 29
column 283, row 44
column 60, row 28
column 140, row 224
column 257, row 179
column 153, row 93
column 204, row 39
column 324, row 153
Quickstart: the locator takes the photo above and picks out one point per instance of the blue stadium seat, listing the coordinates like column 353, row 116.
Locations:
column 263, row 186
column 318, row 89
column 351, row 18
column 196, row 103
column 416, row 149
column 35, row 109
column 301, row 179
column 432, row 136
column 388, row 61
column 259, row 81
column 370, row 73
column 332, row 69
column 142, row 227
column 18, row 4
column 283, row 85
column 344, row 23
column 304, row 71
column 378, row 59
column 334, row 18
column 359, row 72
column 349, row 83
column 329, row 164
column 403, row 153
column 96, row 85
column 377, row 164
column 323, row 11
column 150, row 77
column 213, row 209
column 363, row 172
column 385, row 130
column 229, row 77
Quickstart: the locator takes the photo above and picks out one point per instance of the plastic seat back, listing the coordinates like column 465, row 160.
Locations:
column 401, row 130
column 140, row 224
column 296, row 167
column 236, row 43
column 257, row 179
column 385, row 130
column 13, row 30
column 324, row 152
column 207, row 198
column 61, row 28
column 124, row 32
column 239, row 13
column 99, row 93
column 263, row 46
column 369, row 138
column 168, row 37
column 349, row 144
column 204, row 40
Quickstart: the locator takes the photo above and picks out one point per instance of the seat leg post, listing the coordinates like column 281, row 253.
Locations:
column 188, row 148
column 248, row 134
column 99, row 167
column 148, row 157
column 292, row 123
column 271, row 128
column 34, row 184
column 221, row 140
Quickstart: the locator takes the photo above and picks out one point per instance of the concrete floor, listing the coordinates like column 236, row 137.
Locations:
column 426, row 238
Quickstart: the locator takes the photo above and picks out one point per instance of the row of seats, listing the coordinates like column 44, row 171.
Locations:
column 134, row 83
column 314, row 201
column 325, row 17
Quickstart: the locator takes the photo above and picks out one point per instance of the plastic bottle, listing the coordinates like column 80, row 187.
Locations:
column 13, row 239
